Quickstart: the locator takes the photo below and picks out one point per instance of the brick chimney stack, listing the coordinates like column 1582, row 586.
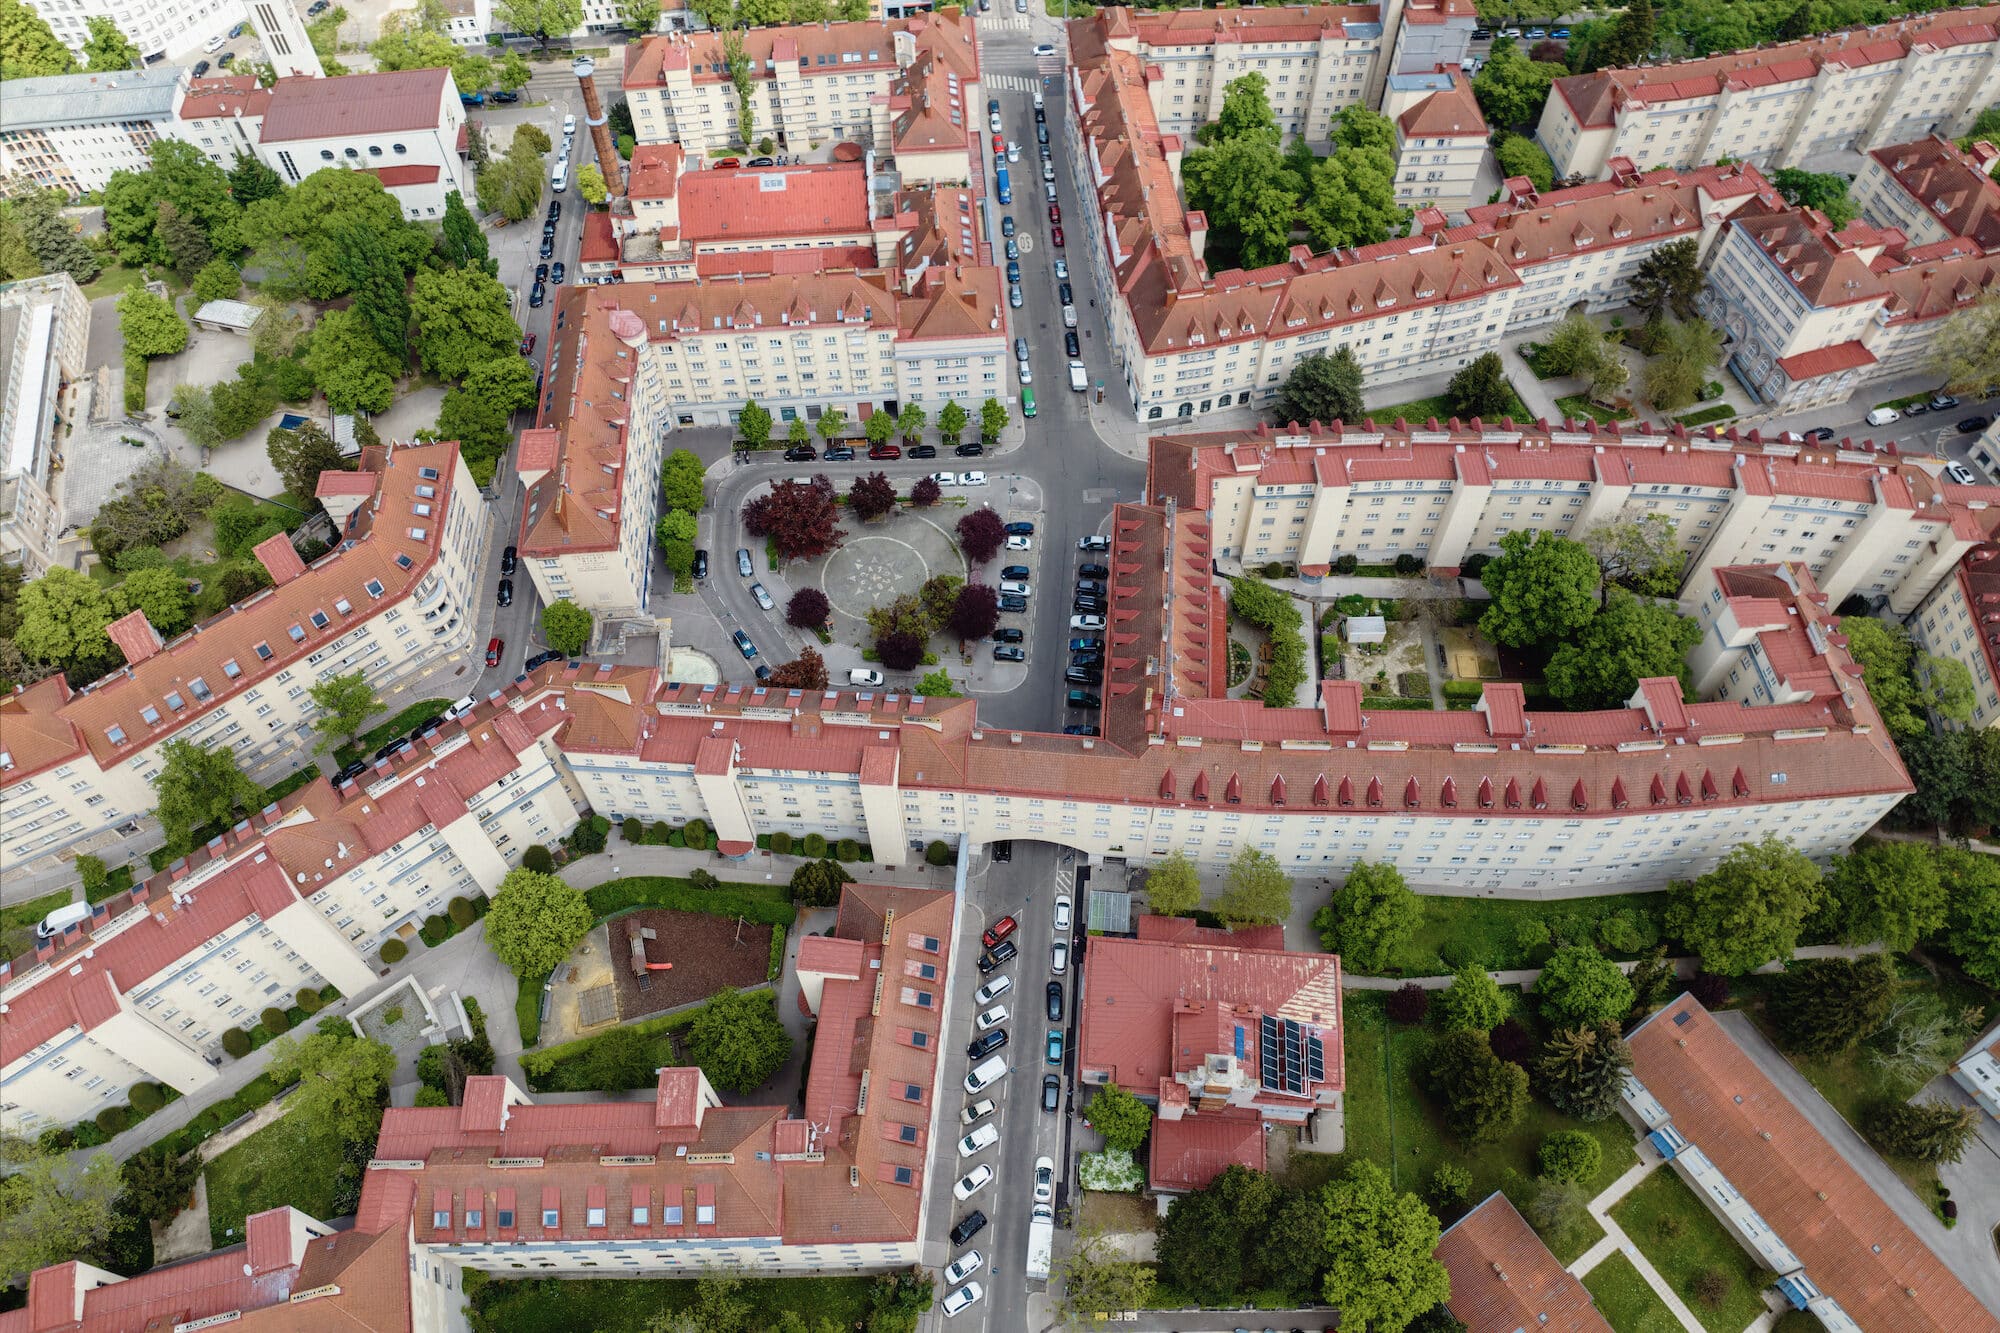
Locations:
column 608, row 160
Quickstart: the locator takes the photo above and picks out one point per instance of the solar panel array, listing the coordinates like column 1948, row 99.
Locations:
column 1288, row 1055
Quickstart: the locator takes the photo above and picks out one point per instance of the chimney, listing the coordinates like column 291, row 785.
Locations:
column 608, row 161
column 277, row 556
column 135, row 637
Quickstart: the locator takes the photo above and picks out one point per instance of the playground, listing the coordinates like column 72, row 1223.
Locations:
column 687, row 957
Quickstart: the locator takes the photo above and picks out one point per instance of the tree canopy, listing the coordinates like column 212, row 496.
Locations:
column 1511, row 88
column 463, row 319
column 534, row 922
column 1256, row 890
column 28, row 48
column 1481, row 1095
column 798, row 517
column 738, row 1041
column 149, row 325
column 1371, row 917
column 1580, row 987
column 1322, row 387
column 1626, row 641
column 1173, row 886
column 567, row 627
column 1381, row 1247
column 1121, row 1118
column 1887, row 891
column 1472, row 1002
column 1544, row 589
column 53, row 1210
column 196, row 788
column 107, row 50
column 345, row 704
column 1748, row 910
column 343, row 1080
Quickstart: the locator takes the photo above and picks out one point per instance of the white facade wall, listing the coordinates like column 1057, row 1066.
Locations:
column 1945, row 626
column 79, row 158
column 157, row 27
column 1308, row 82
column 295, row 159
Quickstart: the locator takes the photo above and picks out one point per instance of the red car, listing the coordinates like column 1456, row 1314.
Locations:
column 999, row 930
column 1056, row 236
column 493, row 647
column 528, row 345
column 881, row 451
column 999, row 144
column 1055, row 214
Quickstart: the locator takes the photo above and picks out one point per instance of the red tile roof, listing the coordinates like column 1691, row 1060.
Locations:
column 1503, row 1279
column 1826, row 361
column 232, row 95
column 1241, row 27
column 836, row 50
column 1853, row 1245
column 1952, row 185
column 1451, row 113
column 1190, row 1152
column 355, row 104
column 391, row 177
column 829, row 198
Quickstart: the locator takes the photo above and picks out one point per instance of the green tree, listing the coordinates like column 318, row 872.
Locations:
column 1972, row 886
column 1173, row 887
column 540, row 19
column 61, row 619
column 682, row 476
column 818, row 883
column 1371, row 916
column 1626, row 641
column 1249, row 197
column 1544, row 589
column 1510, row 88
column 567, row 627
column 1350, row 197
column 1681, row 362
column 534, row 922
column 1668, row 280
column 250, row 180
column 677, row 536
column 161, row 593
column 508, row 382
column 463, row 320
column 1481, row 1095
column 1481, row 389
column 1824, row 1006
column 1825, row 191
column 951, row 421
column 993, row 419
column 737, row 1040
column 352, row 368
column 1519, row 155
column 158, row 1183
column 51, row 1209
column 1121, row 1118
column 1577, row 346
column 1472, row 1002
column 182, row 175
column 28, row 49
column 1245, row 113
column 1748, row 910
column 1888, row 656
column 753, row 425
column 1965, row 347
column 17, row 256
column 937, row 685
column 1257, row 891
column 1206, row 1242
column 149, row 325
column 1582, row 1071
column 343, row 1080
column 512, row 186
column 877, row 429
column 345, row 705
column 911, row 421
column 1096, row 1279
column 1629, row 39
column 1887, row 891
column 590, row 184
column 1580, row 987
column 50, row 238
column 1383, row 1271
column 640, row 15
column 1645, row 556
column 406, row 43
column 300, row 455
column 1323, row 388
column 511, row 72
column 106, row 50
column 196, row 788
column 1923, row 1131
column 461, row 240
column 1572, row 1155
column 219, row 280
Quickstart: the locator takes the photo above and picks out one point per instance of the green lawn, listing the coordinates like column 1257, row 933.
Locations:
column 626, row 1305
column 376, row 737
column 17, row 923
column 1419, row 410
column 115, row 280
column 1391, row 1121
column 1578, row 407
column 292, row 1161
column 1489, row 930
column 1708, row 415
column 1677, row 1232
column 1625, row 1301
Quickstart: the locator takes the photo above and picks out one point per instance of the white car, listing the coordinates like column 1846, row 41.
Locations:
column 993, row 990
column 972, row 478
column 763, row 597
column 973, row 1181
column 945, row 478
column 1020, row 543
column 1018, row 587
column 1062, row 270
column 992, row 1018
column 968, row 1294
column 1013, row 151
column 1086, row 622
column 1027, row 372
column 1069, row 316
column 461, row 708
column 979, row 1140
column 982, row 1107
column 1045, row 1180
column 1059, row 958
column 964, row 1267
column 1062, row 911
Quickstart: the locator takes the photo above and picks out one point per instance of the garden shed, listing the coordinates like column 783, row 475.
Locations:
column 1366, row 629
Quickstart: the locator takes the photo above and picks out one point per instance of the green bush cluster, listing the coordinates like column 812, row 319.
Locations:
column 1463, row 691
column 309, row 999
column 589, row 835
column 815, row 845
column 696, row 835
column 147, row 1098
column 938, row 853
column 435, row 930
column 634, row 829
column 236, row 1043
column 275, row 1022
column 462, row 912
column 113, row 1119
column 847, row 849
column 778, row 934
column 781, row 843
column 1273, row 612
column 257, row 1092
column 394, row 951
column 539, row 859
column 621, row 895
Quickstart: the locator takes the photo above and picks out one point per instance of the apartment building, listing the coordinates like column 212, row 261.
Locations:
column 1789, row 1197
column 72, row 131
column 1223, row 1032
column 1581, row 246
column 1961, row 620
column 406, row 127
column 44, row 325
column 1504, row 1279
column 393, row 600
column 303, row 893
column 1778, row 105
column 1931, row 191
column 1440, row 139
column 809, row 82
column 1978, row 1072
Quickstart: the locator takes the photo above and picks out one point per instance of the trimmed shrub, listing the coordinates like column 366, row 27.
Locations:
column 938, row 853
column 436, row 930
column 589, row 836
column 1274, row 570
column 1409, row 564
column 676, row 839
column 539, row 859
column 462, row 913
column 147, row 1098
column 275, row 1022
column 1409, row 1003
column 695, row 834
column 296, row 1016
column 815, row 845
column 309, row 999
column 113, row 1119
column 394, row 951
column 847, row 849
column 1346, row 564
column 781, row 842
column 657, row 835
column 634, row 829
column 236, row 1043
column 1570, row 1154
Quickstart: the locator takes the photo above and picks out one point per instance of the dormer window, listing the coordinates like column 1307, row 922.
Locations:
column 593, row 1217
column 174, row 700
column 405, row 562
column 230, row 669
column 373, row 587
column 320, row 620
column 418, row 534
column 421, row 510
column 150, row 715
column 263, row 652
column 298, row 633
column 427, row 492
column 199, row 688
column 342, row 605
column 116, row 735
column 441, row 1220
column 427, row 473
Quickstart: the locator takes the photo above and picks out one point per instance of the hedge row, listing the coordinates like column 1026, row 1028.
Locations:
column 622, row 895
column 257, row 1092
column 1464, row 689
column 778, row 934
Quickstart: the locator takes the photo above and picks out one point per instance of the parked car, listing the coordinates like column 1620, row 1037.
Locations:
column 201, row 67
column 967, row 1295
column 963, row 1267
column 968, row 1226
column 504, row 97
column 1013, row 571
column 1821, row 433
column 1014, row 295
column 1052, row 1053
column 226, row 59
column 743, row 561
column 1091, row 569
column 1082, row 699
column 1087, row 660
column 1062, row 912
column 991, row 1018
column 800, row 453
column 1086, row 645
column 494, row 647
column 878, row 452
column 1007, row 225
column 1082, row 676
column 1082, row 729
column 1017, row 587
column 509, row 559
column 1973, row 425
column 978, row 1141
column 982, row 1107
column 1094, row 542
column 1070, row 344
column 1942, row 402
column 1059, row 958
column 1055, row 214
column 839, row 453
column 1007, row 652
column 1020, row 528
column 1086, row 622
column 970, row 449
column 999, row 930
column 541, row 659
column 993, row 990
column 923, row 451
column 1053, row 994
column 1062, row 270
column 743, row 644
column 1961, row 474
column 528, row 345
column 557, row 274
column 763, row 597
column 1019, row 543
column 1008, row 636
column 970, row 1184
column 1045, row 1167
column 548, row 247
column 1051, row 1093
column 537, row 295
column 763, row 671
column 1005, row 953
column 1010, row 602
column 504, row 595
column 351, row 772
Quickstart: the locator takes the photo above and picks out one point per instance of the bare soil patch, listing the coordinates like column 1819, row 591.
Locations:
column 707, row 953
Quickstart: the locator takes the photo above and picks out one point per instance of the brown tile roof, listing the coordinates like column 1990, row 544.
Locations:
column 1631, row 209
column 836, row 49
column 1451, row 113
column 1952, row 185
column 1821, row 266
column 1851, row 1242
column 1979, row 579
column 1934, row 288
column 386, row 550
column 1592, row 97
column 1503, row 1279
column 1820, row 361
column 1186, row 1154
column 231, row 95
column 928, row 108
column 355, row 104
column 1246, row 27
column 34, row 734
column 828, row 198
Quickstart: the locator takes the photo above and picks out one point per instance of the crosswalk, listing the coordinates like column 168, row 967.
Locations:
column 1003, row 22
column 1012, row 83
column 1049, row 63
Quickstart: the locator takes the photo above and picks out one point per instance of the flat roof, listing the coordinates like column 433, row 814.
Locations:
column 84, row 99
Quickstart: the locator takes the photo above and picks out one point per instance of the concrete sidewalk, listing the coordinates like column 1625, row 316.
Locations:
column 1616, row 1241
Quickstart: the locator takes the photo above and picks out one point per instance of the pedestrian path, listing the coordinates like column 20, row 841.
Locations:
column 1617, row 1242
column 1012, row 83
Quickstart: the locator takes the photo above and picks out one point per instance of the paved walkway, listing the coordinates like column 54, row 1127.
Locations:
column 1617, row 1242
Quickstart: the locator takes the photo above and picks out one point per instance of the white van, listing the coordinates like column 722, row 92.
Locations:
column 987, row 1074
column 1079, row 378
column 559, row 178
column 215, row 43
column 569, row 126
column 56, row 922
column 1882, row 416
column 863, row 676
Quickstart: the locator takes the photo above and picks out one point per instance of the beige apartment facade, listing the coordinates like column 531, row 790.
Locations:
column 44, row 323
column 1960, row 620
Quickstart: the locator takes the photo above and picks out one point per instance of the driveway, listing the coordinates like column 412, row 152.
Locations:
column 1966, row 1250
